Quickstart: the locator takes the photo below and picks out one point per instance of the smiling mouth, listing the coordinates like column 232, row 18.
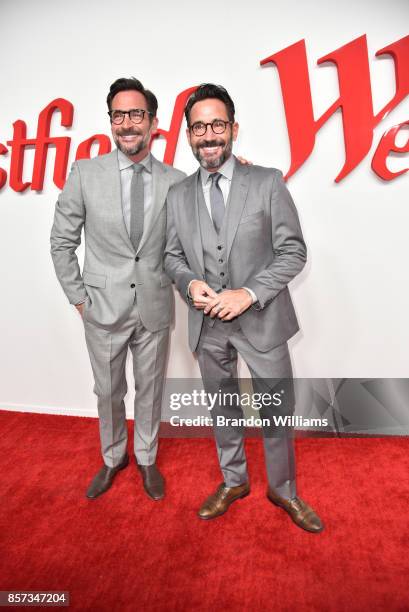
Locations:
column 211, row 149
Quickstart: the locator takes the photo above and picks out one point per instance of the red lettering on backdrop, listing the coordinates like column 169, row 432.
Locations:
column 41, row 144
column 84, row 149
column 172, row 135
column 355, row 102
column 355, row 98
column 18, row 145
column 3, row 173
column 387, row 145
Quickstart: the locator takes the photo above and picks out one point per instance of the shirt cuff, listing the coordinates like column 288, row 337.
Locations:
column 252, row 294
column 188, row 287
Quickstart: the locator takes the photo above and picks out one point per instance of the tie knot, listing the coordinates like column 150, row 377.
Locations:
column 137, row 168
column 215, row 177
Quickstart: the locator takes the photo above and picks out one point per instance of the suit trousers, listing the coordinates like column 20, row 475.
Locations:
column 217, row 351
column 108, row 351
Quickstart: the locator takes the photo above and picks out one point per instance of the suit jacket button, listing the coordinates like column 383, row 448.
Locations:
column 133, row 286
column 224, row 286
column 221, row 273
column 137, row 258
column 219, row 247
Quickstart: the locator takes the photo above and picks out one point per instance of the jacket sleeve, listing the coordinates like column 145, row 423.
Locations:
column 69, row 218
column 175, row 262
column 290, row 252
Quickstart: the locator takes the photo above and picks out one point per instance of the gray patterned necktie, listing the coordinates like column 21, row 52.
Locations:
column 137, row 206
column 217, row 205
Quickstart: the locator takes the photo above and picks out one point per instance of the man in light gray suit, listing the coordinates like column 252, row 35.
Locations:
column 123, row 294
column 234, row 243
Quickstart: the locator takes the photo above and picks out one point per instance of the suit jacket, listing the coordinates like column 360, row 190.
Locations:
column 265, row 250
column 91, row 198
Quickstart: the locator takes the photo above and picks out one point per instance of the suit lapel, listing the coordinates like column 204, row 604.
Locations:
column 191, row 212
column 160, row 187
column 236, row 202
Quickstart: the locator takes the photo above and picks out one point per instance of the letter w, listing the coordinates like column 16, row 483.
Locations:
column 355, row 99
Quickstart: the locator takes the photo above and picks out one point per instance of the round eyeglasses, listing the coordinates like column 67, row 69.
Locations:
column 136, row 115
column 218, row 127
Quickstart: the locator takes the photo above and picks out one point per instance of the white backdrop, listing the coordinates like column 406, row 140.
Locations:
column 352, row 299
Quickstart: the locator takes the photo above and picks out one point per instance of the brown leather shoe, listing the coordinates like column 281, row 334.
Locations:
column 301, row 513
column 153, row 481
column 104, row 479
column 218, row 503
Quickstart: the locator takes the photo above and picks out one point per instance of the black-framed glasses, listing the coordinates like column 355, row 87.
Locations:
column 218, row 127
column 136, row 115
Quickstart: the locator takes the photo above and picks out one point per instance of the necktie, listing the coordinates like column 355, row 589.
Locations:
column 217, row 206
column 137, row 206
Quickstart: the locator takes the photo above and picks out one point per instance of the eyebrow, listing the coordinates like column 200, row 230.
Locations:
column 129, row 110
column 215, row 119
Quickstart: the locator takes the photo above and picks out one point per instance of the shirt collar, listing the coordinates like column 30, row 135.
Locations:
column 226, row 170
column 125, row 162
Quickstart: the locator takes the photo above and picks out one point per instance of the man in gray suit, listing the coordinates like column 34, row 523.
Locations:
column 234, row 243
column 123, row 293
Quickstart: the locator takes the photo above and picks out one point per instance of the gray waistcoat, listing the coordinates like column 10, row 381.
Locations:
column 214, row 257
column 214, row 248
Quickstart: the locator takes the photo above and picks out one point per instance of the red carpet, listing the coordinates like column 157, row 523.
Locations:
column 125, row 552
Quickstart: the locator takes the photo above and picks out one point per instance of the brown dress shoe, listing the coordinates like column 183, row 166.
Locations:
column 301, row 513
column 153, row 481
column 104, row 479
column 218, row 503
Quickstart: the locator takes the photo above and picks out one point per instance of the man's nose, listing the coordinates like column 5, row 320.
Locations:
column 127, row 121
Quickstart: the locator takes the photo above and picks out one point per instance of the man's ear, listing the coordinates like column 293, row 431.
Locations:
column 235, row 130
column 154, row 125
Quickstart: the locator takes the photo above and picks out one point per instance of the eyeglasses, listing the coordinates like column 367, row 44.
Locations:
column 218, row 126
column 136, row 115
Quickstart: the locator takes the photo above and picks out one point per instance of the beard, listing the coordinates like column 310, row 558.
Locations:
column 130, row 149
column 215, row 162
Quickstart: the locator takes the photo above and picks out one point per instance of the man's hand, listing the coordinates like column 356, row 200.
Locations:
column 201, row 294
column 244, row 162
column 229, row 304
column 80, row 308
